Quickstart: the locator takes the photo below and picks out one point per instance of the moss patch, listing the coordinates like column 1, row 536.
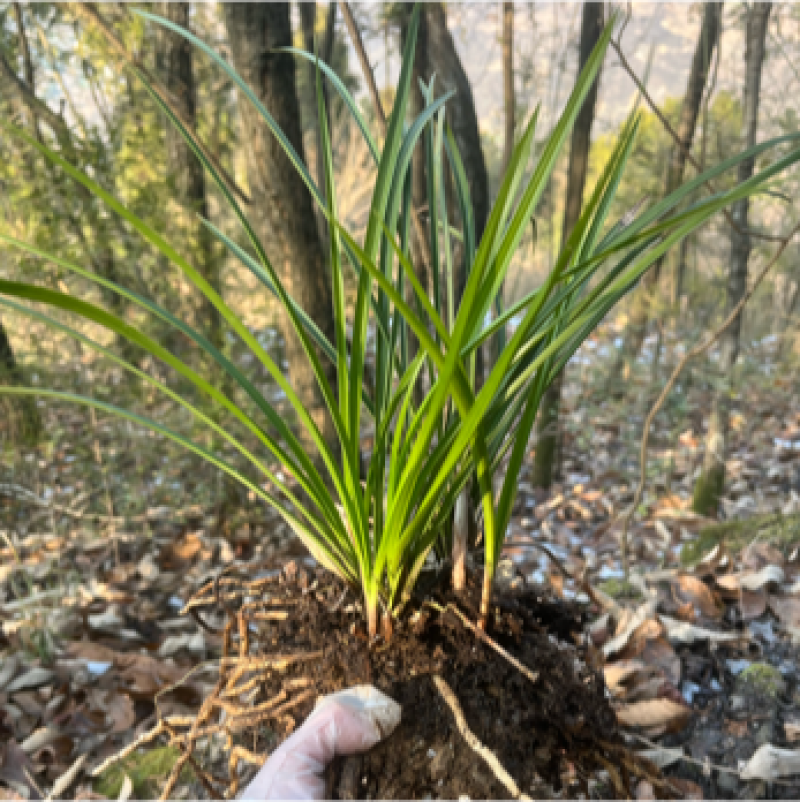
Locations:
column 148, row 769
column 763, row 679
column 620, row 589
column 780, row 529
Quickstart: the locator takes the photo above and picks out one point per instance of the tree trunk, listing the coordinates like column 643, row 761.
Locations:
column 25, row 405
column 282, row 211
column 445, row 62
column 186, row 169
column 461, row 114
column 547, row 435
column 324, row 48
column 498, row 342
column 711, row 482
column 643, row 300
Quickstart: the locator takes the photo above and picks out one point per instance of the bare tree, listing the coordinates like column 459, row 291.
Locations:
column 324, row 49
column 545, row 460
column 711, row 482
column 642, row 301
column 282, row 211
column 185, row 168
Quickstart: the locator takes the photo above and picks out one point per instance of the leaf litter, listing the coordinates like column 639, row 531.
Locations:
column 90, row 629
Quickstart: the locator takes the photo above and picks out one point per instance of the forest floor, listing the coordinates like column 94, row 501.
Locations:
column 699, row 646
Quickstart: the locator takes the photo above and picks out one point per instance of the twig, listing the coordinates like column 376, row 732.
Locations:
column 686, row 149
column 533, row 676
column 694, row 352
column 66, row 779
column 472, row 741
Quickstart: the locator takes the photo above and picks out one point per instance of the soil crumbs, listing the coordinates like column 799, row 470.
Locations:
column 550, row 735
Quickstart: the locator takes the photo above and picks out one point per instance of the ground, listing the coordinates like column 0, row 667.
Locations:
column 699, row 654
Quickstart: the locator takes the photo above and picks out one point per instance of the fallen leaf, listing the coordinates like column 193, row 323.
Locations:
column 687, row 588
column 770, row 763
column 688, row 789
column 716, row 560
column 658, row 652
column 655, row 713
column 181, row 551
column 791, row 728
column 682, row 632
column 16, row 769
column 34, row 678
column 620, row 640
column 8, row 668
column 787, row 610
column 661, row 756
column 770, row 576
column 752, row 603
column 117, row 707
column 760, row 555
column 192, row 642
column 738, row 729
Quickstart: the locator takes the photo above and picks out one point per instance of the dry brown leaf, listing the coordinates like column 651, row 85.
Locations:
column 752, row 603
column 688, row 789
column 655, row 713
column 142, row 675
column 181, row 551
column 686, row 612
column 117, row 707
column 738, row 729
column 16, row 768
column 760, row 555
column 687, row 588
column 648, row 630
column 787, row 609
column 621, row 673
column 658, row 652
column 791, row 728
column 715, row 561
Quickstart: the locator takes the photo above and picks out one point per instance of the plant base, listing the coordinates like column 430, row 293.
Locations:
column 551, row 729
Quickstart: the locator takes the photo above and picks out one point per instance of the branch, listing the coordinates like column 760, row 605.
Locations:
column 26, row 97
column 90, row 12
column 686, row 149
column 695, row 352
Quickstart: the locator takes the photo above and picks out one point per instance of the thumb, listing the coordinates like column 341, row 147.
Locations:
column 344, row 723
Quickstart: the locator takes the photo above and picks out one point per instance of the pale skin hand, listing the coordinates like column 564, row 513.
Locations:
column 344, row 723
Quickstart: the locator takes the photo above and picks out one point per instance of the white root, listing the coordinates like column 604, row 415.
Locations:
column 472, row 741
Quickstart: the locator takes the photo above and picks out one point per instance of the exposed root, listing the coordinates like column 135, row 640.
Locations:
column 471, row 739
column 240, row 753
column 227, row 711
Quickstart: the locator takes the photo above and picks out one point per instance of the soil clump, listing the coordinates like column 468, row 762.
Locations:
column 551, row 734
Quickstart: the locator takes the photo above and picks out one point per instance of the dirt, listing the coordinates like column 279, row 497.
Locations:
column 552, row 734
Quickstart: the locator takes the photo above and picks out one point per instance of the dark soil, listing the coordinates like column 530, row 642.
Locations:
column 556, row 732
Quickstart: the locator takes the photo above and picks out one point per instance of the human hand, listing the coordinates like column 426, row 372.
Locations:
column 343, row 723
